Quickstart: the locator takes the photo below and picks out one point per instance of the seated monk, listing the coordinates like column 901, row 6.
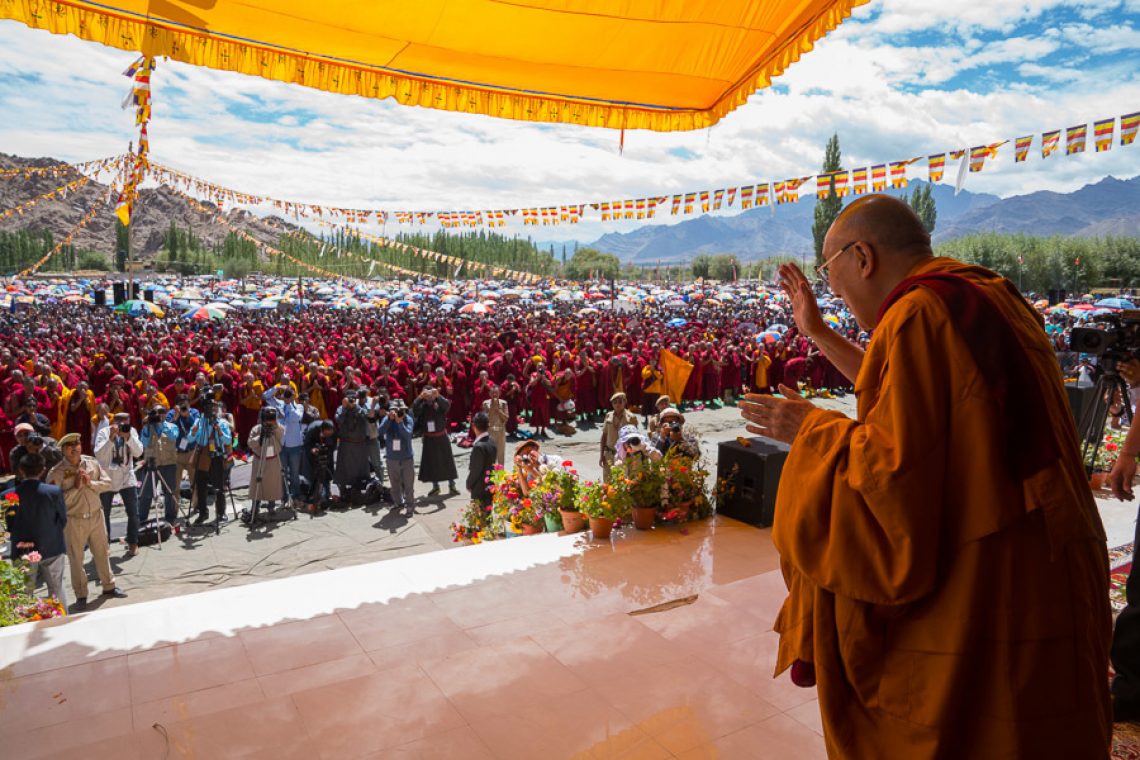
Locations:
column 945, row 561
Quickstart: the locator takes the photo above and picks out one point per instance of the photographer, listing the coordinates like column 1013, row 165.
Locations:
column 160, row 464
column 396, row 430
column 183, row 416
column 671, row 434
column 117, row 447
column 212, row 438
column 282, row 398
column 619, row 418
column 632, row 446
column 267, row 476
column 352, row 447
column 437, row 462
column 320, row 446
column 375, row 409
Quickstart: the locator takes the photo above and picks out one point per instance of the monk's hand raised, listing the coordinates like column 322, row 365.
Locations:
column 804, row 306
column 778, row 418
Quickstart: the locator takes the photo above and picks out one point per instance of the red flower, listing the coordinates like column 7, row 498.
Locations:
column 1110, row 446
column 12, row 497
column 567, row 463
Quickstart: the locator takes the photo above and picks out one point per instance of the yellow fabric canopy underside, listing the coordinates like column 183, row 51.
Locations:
column 634, row 64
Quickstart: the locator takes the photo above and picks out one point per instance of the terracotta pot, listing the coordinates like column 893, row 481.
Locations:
column 643, row 517
column 572, row 522
column 1097, row 480
column 531, row 529
column 601, row 527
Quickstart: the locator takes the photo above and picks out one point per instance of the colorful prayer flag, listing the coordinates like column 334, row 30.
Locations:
column 898, row 173
column 1049, row 143
column 746, row 197
column 1102, row 134
column 762, row 197
column 841, row 183
column 1075, row 139
column 1021, row 148
column 823, row 185
column 936, row 165
column 879, row 177
column 859, row 180
column 1128, row 127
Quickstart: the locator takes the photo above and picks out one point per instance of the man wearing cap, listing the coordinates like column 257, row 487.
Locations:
column 671, row 434
column 83, row 480
column 22, row 432
column 396, row 430
column 611, row 428
column 117, row 447
column 160, row 457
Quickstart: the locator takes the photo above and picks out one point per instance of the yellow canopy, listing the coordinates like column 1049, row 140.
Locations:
column 633, row 64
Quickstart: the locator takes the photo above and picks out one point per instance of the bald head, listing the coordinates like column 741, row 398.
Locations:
column 887, row 223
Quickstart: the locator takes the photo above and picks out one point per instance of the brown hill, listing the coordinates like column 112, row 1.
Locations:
column 156, row 209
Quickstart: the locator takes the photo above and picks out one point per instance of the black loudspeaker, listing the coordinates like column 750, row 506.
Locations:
column 1080, row 400
column 118, row 293
column 100, row 297
column 148, row 295
column 134, row 291
column 755, row 480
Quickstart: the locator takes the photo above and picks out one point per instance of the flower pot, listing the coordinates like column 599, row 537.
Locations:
column 572, row 522
column 1097, row 480
column 643, row 517
column 553, row 522
column 509, row 532
column 601, row 527
column 531, row 529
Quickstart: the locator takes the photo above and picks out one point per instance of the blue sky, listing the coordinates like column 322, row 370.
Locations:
column 901, row 78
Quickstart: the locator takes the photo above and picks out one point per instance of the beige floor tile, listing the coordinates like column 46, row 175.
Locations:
column 808, row 714
column 183, row 668
column 751, row 662
column 72, row 740
column 270, row 728
column 402, row 621
column 320, row 674
column 230, row 696
column 455, row 744
column 427, row 649
column 287, row 646
column 60, row 696
column 777, row 738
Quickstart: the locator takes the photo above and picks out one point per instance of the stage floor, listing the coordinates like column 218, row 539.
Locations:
column 524, row 648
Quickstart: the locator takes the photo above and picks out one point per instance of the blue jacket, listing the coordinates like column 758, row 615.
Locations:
column 39, row 519
column 289, row 417
column 183, row 425
column 393, row 432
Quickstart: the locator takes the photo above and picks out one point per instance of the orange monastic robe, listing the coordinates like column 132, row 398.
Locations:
column 951, row 608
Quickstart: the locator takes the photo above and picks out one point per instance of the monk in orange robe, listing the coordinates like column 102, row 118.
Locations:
column 946, row 565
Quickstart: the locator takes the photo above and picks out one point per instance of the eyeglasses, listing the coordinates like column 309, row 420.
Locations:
column 821, row 270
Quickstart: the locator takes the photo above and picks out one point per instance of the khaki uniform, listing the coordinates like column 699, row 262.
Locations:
column 497, row 416
column 610, row 429
column 85, row 526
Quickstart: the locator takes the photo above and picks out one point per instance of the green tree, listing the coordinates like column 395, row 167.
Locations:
column 122, row 246
column 923, row 204
column 724, row 267
column 589, row 262
column 701, row 266
column 93, row 261
column 828, row 209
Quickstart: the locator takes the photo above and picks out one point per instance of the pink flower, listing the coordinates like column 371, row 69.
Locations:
column 33, row 557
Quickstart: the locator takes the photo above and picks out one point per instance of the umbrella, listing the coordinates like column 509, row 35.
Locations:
column 137, row 308
column 1115, row 303
column 1058, row 310
column 589, row 310
column 474, row 308
column 677, row 322
column 1082, row 307
column 771, row 336
column 202, row 313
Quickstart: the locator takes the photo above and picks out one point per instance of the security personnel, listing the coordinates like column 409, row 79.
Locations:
column 614, row 422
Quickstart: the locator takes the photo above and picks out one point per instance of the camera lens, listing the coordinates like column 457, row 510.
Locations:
column 634, row 442
column 125, row 427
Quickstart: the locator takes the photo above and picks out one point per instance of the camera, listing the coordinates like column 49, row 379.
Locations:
column 1119, row 339
column 124, row 427
column 217, row 388
column 362, row 395
column 673, row 426
column 153, row 417
column 633, row 442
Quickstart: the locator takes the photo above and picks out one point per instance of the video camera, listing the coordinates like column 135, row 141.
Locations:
column 1118, row 340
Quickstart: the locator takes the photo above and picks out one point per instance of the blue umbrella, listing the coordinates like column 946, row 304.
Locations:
column 677, row 322
column 1115, row 303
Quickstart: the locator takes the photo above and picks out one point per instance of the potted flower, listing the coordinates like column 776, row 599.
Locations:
column 474, row 524
column 642, row 480
column 554, row 497
column 603, row 504
column 683, row 495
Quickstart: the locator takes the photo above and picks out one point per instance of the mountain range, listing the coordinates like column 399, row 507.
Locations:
column 1108, row 207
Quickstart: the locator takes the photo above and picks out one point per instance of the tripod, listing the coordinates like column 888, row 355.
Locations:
column 256, row 480
column 157, row 486
column 1091, row 427
column 213, row 436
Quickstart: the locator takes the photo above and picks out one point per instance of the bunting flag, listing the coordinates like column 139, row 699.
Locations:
column 37, row 265
column 859, row 181
column 936, row 165
column 1049, row 143
column 690, row 199
column 1075, row 139
column 676, row 204
column 1021, row 148
column 841, row 184
column 879, row 177
column 979, row 155
column 823, row 185
column 718, row 199
column 1102, row 134
column 140, row 71
column 763, row 195
column 731, row 196
column 705, row 201
column 59, row 192
column 746, row 197
column 898, row 173
column 778, row 191
column 1128, row 126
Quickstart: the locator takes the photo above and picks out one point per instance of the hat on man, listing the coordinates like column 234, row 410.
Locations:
column 23, row 427
column 529, row 443
column 397, row 404
column 663, row 401
column 69, row 439
column 121, row 417
column 671, row 411
column 619, row 396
